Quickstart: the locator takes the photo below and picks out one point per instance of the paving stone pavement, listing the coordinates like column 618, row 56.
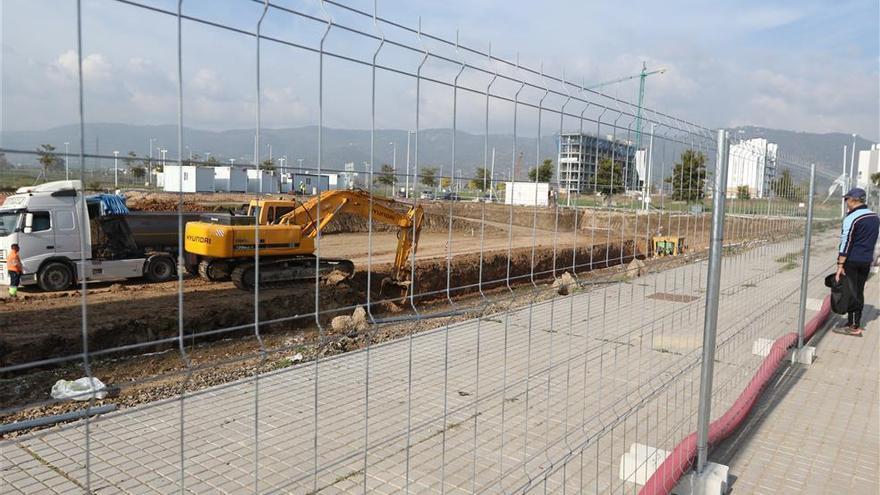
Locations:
column 545, row 397
column 816, row 429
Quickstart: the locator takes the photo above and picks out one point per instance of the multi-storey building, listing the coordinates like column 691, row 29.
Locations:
column 579, row 155
column 752, row 163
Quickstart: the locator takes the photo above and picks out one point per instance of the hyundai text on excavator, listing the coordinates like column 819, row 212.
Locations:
column 222, row 246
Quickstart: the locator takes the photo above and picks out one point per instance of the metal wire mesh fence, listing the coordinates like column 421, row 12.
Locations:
column 539, row 325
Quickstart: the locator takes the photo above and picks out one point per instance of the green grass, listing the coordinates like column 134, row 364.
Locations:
column 788, row 261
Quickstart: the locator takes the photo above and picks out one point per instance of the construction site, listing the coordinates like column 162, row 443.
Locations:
column 323, row 247
column 467, row 254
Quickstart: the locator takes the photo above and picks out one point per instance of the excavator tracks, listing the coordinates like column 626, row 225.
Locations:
column 289, row 271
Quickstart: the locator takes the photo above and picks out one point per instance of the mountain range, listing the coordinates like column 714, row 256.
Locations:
column 342, row 146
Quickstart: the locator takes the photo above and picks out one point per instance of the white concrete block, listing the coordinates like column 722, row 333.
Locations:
column 637, row 465
column 814, row 304
column 804, row 355
column 761, row 347
column 713, row 481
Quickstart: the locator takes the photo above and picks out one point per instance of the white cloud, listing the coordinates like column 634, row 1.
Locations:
column 207, row 83
column 95, row 66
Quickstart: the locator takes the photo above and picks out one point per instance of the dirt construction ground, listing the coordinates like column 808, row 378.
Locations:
column 220, row 342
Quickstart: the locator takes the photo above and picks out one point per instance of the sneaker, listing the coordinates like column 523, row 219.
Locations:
column 855, row 332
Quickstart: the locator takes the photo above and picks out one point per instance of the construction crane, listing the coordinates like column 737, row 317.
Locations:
column 642, row 76
column 223, row 245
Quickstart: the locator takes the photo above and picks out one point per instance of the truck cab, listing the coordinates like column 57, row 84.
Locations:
column 62, row 238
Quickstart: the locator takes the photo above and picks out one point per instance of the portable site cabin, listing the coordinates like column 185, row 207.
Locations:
column 527, row 193
column 313, row 183
column 262, row 181
column 230, row 179
column 188, row 178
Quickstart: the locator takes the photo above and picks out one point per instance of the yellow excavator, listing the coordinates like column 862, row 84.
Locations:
column 222, row 246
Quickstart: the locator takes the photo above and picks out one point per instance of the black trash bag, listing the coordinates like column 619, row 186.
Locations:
column 843, row 294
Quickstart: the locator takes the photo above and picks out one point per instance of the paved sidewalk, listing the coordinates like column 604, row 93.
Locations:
column 815, row 430
column 545, row 397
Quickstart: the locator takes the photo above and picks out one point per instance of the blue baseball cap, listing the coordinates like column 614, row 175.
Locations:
column 856, row 193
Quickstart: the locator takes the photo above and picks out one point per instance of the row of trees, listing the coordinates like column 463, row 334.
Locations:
column 688, row 179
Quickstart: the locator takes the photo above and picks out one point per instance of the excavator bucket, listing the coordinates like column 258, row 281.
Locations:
column 394, row 289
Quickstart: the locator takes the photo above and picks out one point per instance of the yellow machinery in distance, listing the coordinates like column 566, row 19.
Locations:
column 224, row 246
column 667, row 246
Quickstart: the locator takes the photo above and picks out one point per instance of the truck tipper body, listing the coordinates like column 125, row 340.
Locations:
column 64, row 237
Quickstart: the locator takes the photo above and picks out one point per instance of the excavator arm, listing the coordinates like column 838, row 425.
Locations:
column 315, row 214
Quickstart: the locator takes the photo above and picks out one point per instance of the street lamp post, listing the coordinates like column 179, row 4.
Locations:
column 115, row 169
column 300, row 161
column 232, row 162
column 852, row 161
column 406, row 191
column 163, row 151
column 66, row 160
column 150, row 163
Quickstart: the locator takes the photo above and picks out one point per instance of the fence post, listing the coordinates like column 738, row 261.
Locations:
column 713, row 285
column 805, row 269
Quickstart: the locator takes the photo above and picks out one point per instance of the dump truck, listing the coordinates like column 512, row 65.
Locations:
column 224, row 246
column 65, row 236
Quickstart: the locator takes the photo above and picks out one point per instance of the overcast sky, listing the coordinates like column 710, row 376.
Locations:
column 800, row 65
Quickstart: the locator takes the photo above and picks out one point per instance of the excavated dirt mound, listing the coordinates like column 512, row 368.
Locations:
column 51, row 327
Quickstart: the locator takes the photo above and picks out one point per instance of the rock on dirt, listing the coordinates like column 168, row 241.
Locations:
column 564, row 284
column 635, row 268
column 355, row 323
column 335, row 277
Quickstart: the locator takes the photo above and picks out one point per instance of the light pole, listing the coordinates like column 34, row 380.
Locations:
column 150, row 164
column 406, row 191
column 66, row 159
column 394, row 160
column 207, row 155
column 646, row 200
column 232, row 162
column 163, row 151
column 115, row 169
column 492, row 178
column 283, row 160
column 852, row 161
column 300, row 161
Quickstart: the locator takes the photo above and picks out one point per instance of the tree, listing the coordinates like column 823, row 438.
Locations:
column 4, row 163
column 386, row 175
column 138, row 172
column 212, row 161
column 688, row 178
column 609, row 178
column 445, row 182
column 875, row 178
column 481, row 180
column 544, row 171
column 742, row 192
column 784, row 187
column 47, row 158
column 267, row 164
column 194, row 159
column 429, row 177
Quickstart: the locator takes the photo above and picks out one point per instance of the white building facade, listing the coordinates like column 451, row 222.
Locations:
column 752, row 163
column 869, row 164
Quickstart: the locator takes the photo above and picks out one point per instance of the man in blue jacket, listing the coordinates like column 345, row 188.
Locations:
column 855, row 253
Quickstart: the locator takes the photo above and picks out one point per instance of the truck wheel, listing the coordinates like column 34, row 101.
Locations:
column 55, row 276
column 159, row 269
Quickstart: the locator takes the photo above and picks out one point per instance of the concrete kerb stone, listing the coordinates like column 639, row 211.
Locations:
column 640, row 463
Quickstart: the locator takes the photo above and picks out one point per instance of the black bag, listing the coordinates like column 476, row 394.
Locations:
column 843, row 294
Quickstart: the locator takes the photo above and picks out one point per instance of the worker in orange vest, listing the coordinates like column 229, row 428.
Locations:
column 13, row 265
